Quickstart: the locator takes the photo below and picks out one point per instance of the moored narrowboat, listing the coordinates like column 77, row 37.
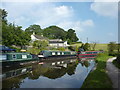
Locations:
column 48, row 53
column 8, row 57
column 88, row 54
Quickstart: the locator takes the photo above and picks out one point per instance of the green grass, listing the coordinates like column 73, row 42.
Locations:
column 116, row 63
column 98, row 78
column 97, row 47
column 101, row 47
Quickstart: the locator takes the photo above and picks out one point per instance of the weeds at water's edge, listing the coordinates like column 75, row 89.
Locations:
column 98, row 78
column 116, row 63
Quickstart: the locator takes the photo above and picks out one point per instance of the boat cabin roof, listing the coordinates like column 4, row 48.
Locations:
column 5, row 48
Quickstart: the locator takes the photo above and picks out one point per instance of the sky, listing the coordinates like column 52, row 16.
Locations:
column 97, row 21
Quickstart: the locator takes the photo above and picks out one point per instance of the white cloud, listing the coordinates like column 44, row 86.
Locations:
column 89, row 23
column 45, row 14
column 76, row 25
column 63, row 11
column 105, row 8
column 79, row 26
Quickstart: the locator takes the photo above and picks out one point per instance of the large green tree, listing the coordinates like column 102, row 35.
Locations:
column 54, row 32
column 34, row 28
column 71, row 36
column 11, row 34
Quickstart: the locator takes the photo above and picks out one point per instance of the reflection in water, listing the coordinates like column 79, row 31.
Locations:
column 57, row 74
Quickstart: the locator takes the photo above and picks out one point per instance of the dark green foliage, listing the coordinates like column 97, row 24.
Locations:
column 118, row 58
column 54, row 32
column 14, row 35
column 71, row 48
column 71, row 36
column 3, row 15
column 116, row 63
column 34, row 28
column 84, row 47
column 11, row 34
column 112, row 46
column 40, row 44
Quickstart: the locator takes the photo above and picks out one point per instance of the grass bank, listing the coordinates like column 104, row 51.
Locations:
column 98, row 78
column 97, row 47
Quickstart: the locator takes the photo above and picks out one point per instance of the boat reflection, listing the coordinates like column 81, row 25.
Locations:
column 49, row 69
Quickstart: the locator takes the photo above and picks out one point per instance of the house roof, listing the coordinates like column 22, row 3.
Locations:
column 56, row 41
column 40, row 37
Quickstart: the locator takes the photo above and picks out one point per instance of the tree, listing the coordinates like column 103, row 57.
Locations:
column 54, row 32
column 14, row 35
column 40, row 44
column 93, row 45
column 71, row 36
column 86, row 46
column 3, row 15
column 111, row 47
column 34, row 28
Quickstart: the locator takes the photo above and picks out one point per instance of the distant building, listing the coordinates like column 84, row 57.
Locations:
column 52, row 42
column 57, row 43
column 37, row 37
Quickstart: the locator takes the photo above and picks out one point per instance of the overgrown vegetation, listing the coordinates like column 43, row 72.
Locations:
column 117, row 61
column 98, row 78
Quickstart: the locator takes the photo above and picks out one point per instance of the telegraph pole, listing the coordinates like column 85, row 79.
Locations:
column 87, row 39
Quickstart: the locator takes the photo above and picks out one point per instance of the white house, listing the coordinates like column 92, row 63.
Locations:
column 37, row 37
column 52, row 42
column 57, row 43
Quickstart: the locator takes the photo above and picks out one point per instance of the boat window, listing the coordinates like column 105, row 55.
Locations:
column 14, row 56
column 53, row 53
column 3, row 57
column 58, row 53
column 24, row 56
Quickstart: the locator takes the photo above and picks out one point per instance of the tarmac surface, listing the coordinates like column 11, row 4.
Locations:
column 113, row 72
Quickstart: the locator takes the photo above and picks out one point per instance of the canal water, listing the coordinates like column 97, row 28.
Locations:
column 69, row 73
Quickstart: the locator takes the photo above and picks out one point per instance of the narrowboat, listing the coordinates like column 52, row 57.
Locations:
column 87, row 54
column 10, row 57
column 48, row 53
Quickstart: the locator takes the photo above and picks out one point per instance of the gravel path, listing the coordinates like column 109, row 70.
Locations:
column 113, row 73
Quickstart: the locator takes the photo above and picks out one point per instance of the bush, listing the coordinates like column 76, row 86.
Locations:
column 113, row 54
column 118, row 58
column 71, row 48
column 35, row 51
column 17, row 49
column 61, row 49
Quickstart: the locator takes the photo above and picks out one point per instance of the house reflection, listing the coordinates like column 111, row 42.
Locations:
column 50, row 69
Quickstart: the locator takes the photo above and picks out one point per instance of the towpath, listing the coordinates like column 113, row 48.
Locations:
column 113, row 72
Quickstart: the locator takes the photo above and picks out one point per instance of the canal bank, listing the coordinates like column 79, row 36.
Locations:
column 98, row 78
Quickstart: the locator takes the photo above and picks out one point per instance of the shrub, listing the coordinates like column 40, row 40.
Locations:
column 118, row 58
